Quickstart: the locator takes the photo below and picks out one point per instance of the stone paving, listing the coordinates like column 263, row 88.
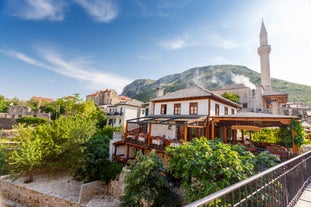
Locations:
column 305, row 199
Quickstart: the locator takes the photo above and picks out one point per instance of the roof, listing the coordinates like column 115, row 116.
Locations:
column 272, row 93
column 37, row 98
column 99, row 92
column 256, row 119
column 192, row 92
column 254, row 115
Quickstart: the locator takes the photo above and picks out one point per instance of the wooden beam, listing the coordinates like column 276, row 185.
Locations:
column 246, row 127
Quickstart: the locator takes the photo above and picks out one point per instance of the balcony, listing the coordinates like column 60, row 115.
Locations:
column 153, row 142
column 115, row 113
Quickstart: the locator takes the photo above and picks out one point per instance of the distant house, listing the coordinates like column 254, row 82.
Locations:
column 106, row 97
column 127, row 108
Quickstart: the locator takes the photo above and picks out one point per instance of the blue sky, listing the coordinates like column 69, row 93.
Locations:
column 55, row 48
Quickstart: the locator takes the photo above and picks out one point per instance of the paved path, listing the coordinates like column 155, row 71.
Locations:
column 305, row 199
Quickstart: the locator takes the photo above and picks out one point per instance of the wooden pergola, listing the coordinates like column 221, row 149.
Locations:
column 247, row 121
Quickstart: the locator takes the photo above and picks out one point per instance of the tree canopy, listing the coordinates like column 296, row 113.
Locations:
column 146, row 185
column 206, row 166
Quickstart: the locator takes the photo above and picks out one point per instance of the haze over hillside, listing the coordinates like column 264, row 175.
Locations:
column 214, row 77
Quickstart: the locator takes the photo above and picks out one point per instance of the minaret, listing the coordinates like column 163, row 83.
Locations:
column 264, row 51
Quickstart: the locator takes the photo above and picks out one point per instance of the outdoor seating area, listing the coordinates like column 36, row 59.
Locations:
column 156, row 142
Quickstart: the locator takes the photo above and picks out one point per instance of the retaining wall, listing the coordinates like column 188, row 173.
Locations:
column 31, row 198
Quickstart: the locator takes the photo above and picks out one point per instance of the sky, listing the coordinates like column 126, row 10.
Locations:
column 57, row 48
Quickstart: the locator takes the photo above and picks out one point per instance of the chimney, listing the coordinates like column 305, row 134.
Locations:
column 160, row 92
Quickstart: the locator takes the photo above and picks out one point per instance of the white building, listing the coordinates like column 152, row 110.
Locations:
column 174, row 118
column 117, row 114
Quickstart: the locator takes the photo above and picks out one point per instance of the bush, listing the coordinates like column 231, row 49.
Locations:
column 3, row 164
column 206, row 166
column 95, row 164
column 146, row 185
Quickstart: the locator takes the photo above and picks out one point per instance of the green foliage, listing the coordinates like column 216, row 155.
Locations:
column 27, row 158
column 206, row 166
column 3, row 164
column 100, row 118
column 232, row 97
column 145, row 184
column 300, row 135
column 95, row 164
column 59, row 144
column 31, row 121
column 267, row 135
column 108, row 130
column 4, row 104
column 264, row 161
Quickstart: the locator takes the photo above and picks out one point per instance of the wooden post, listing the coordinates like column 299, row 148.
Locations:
column 213, row 130
column 225, row 135
column 295, row 148
column 185, row 133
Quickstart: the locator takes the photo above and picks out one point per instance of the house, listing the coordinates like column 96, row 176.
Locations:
column 127, row 108
column 173, row 118
column 105, row 97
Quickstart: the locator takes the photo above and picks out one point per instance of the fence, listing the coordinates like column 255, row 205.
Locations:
column 279, row 186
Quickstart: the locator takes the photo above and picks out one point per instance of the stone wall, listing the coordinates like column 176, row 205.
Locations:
column 89, row 190
column 116, row 187
column 31, row 198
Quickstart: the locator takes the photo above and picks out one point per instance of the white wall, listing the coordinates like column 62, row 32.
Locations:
column 161, row 130
column 202, row 107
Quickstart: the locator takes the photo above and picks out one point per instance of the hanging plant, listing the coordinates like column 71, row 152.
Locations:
column 299, row 135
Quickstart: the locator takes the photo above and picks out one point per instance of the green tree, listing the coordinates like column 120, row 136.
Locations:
column 206, row 166
column 31, row 121
column 145, row 184
column 27, row 158
column 4, row 104
column 300, row 135
column 231, row 96
column 267, row 135
column 3, row 163
column 95, row 164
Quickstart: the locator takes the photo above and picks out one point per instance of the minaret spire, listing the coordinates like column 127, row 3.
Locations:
column 264, row 52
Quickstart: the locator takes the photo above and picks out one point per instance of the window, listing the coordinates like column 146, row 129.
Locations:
column 177, row 109
column 163, row 108
column 226, row 110
column 193, row 108
column 216, row 109
column 232, row 111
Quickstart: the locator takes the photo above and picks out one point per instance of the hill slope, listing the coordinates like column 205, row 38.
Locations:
column 213, row 77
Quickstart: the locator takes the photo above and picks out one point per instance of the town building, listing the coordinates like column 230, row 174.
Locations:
column 260, row 98
column 127, row 108
column 185, row 114
column 174, row 118
column 101, row 98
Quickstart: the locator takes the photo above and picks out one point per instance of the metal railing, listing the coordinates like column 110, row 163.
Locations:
column 279, row 186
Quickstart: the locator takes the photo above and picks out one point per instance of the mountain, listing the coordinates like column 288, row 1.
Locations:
column 214, row 77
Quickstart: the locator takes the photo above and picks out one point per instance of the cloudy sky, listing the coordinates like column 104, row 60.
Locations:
column 55, row 48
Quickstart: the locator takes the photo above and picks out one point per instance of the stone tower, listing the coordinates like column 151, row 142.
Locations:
column 264, row 51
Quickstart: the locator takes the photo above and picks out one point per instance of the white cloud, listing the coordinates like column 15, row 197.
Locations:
column 174, row 44
column 75, row 69
column 101, row 10
column 37, row 9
